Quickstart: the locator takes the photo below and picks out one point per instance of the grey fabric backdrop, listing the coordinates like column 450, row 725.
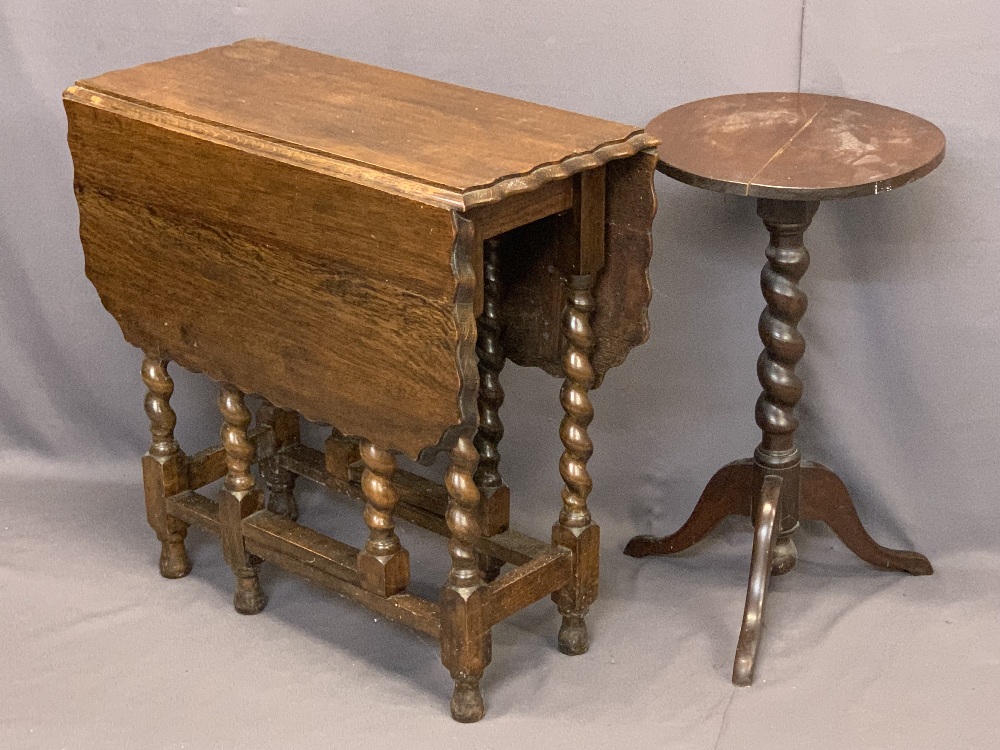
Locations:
column 903, row 335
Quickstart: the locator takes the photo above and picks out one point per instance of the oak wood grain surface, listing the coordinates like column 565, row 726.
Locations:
column 329, row 298
column 226, row 226
column 436, row 133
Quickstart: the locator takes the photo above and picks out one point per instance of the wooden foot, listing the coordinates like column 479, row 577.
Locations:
column 573, row 636
column 467, row 704
column 383, row 564
column 249, row 597
column 825, row 498
column 164, row 469
column 174, row 561
column 574, row 600
column 466, row 641
column 727, row 493
column 238, row 499
column 760, row 575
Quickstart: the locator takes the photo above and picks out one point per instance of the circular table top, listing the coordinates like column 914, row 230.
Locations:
column 795, row 146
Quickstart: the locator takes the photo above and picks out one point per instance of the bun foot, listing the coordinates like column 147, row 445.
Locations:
column 249, row 598
column 174, row 562
column 467, row 704
column 573, row 637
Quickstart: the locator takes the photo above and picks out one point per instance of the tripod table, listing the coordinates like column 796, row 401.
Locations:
column 790, row 152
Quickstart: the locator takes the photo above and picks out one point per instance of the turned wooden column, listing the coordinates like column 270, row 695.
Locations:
column 383, row 564
column 787, row 262
column 164, row 469
column 494, row 505
column 575, row 530
column 239, row 498
column 466, row 641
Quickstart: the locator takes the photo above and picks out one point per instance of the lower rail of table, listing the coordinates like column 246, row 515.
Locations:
column 539, row 568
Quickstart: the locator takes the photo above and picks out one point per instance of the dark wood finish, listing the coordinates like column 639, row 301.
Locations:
column 494, row 219
column 269, row 531
column 490, row 355
column 534, row 259
column 539, row 568
column 494, row 506
column 420, row 501
column 792, row 146
column 515, row 590
column 239, row 498
column 466, row 641
column 791, row 151
column 826, row 499
column 787, row 262
column 584, row 254
column 575, row 529
column 157, row 229
column 331, row 111
column 337, row 239
column 341, row 453
column 317, row 561
column 728, row 493
column 165, row 239
column 622, row 290
column 761, row 565
column 384, row 564
column 163, row 469
column 209, row 465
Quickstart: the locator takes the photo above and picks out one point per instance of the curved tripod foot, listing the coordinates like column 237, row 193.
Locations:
column 825, row 498
column 573, row 637
column 467, row 700
column 760, row 575
column 728, row 493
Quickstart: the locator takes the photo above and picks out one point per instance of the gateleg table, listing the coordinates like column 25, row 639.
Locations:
column 364, row 248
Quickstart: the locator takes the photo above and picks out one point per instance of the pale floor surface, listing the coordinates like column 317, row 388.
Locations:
column 99, row 652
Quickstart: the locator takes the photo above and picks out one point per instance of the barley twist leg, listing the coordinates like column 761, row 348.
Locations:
column 383, row 564
column 466, row 642
column 238, row 499
column 495, row 501
column 164, row 469
column 575, row 530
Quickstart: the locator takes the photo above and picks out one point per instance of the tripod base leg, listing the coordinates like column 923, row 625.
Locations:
column 727, row 493
column 760, row 575
column 825, row 498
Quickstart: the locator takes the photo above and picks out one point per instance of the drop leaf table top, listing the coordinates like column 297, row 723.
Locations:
column 310, row 229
